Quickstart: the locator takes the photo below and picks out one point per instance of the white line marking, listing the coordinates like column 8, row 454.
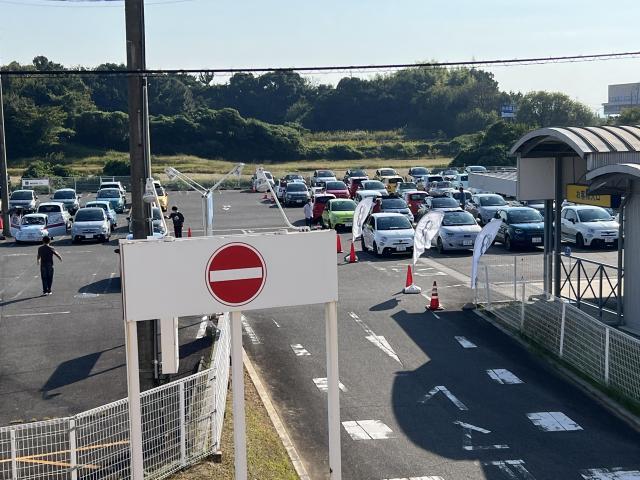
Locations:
column 610, row 474
column 17, row 255
column 323, row 385
column 471, row 427
column 512, row 469
column 436, row 315
column 36, row 314
column 465, row 343
column 503, row 376
column 275, row 323
column 378, row 340
column 299, row 350
column 553, row 422
column 467, row 444
column 447, row 393
column 249, row 331
column 202, row 330
column 429, row 477
column 235, row 274
column 368, row 430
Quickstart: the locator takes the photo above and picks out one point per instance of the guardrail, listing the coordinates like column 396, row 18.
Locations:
column 181, row 424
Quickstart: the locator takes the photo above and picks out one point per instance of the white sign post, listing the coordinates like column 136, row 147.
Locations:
column 233, row 274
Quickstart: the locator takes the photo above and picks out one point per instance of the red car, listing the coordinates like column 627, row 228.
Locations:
column 415, row 199
column 337, row 188
column 319, row 202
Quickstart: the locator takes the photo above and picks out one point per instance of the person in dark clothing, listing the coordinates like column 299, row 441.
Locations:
column 178, row 220
column 377, row 206
column 463, row 198
column 45, row 258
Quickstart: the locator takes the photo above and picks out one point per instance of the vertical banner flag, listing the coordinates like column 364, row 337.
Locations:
column 360, row 215
column 426, row 229
column 483, row 242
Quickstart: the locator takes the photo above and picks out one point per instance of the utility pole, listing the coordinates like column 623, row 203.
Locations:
column 4, row 176
column 140, row 171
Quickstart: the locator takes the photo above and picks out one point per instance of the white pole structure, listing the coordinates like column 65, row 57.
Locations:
column 135, row 409
column 333, row 398
column 237, row 376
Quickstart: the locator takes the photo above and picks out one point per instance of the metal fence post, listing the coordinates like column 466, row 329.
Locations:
column 14, row 455
column 183, row 431
column 606, row 355
column 73, row 452
column 522, row 307
column 515, row 278
column 486, row 282
column 600, row 305
column 562, row 322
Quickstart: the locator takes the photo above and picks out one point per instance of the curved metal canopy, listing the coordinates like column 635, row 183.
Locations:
column 613, row 179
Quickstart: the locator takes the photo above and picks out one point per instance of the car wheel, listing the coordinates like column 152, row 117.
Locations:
column 579, row 240
column 364, row 247
column 74, row 240
column 507, row 243
column 375, row 250
column 441, row 248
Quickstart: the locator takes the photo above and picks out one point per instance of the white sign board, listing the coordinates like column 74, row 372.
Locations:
column 35, row 182
column 227, row 273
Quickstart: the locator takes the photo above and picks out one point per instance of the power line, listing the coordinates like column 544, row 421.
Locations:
column 331, row 69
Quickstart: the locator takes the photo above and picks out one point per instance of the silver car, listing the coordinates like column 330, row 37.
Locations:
column 106, row 206
column 458, row 232
column 90, row 224
column 68, row 197
column 24, row 199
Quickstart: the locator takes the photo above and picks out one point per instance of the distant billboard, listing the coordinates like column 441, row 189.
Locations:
column 508, row 110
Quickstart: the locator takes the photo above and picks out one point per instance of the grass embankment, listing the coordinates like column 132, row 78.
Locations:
column 266, row 456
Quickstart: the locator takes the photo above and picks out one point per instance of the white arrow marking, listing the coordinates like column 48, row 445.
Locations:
column 466, row 442
column 465, row 343
column 275, row 323
column 378, row 340
column 503, row 376
column 323, row 385
column 249, row 331
column 447, row 393
column 299, row 350
column 610, row 474
column 512, row 469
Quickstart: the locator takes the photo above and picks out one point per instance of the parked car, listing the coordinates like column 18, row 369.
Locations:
column 323, row 176
column 362, row 194
column 458, row 196
column 484, row 206
column 521, row 226
column 260, row 183
column 112, row 195
column 414, row 199
column 319, row 201
column 58, row 218
column 403, row 187
column 26, row 200
column 69, row 197
column 586, row 225
column 386, row 233
column 106, row 206
column 355, row 173
column 296, row 194
column 159, row 225
column 113, row 184
column 441, row 189
column 449, row 174
column 417, row 173
column 458, row 232
column 376, row 185
column 294, row 177
column 424, row 182
column 475, row 169
column 353, row 184
column 163, row 197
column 383, row 173
column 32, row 228
column 337, row 188
column 441, row 204
column 90, row 224
column 391, row 183
column 396, row 205
column 461, row 180
column 338, row 213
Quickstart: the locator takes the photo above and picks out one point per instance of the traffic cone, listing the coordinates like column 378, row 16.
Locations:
column 409, row 287
column 339, row 243
column 435, row 301
column 351, row 258
column 189, row 232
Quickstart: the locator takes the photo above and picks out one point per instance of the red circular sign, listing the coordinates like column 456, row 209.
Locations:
column 236, row 274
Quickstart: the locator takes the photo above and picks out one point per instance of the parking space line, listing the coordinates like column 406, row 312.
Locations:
column 465, row 343
column 35, row 314
column 553, row 422
column 378, row 340
column 323, row 385
column 368, row 430
column 250, row 331
column 275, row 323
column 503, row 376
column 299, row 350
column 617, row 473
column 513, row 469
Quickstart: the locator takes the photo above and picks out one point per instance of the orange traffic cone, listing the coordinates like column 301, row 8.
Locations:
column 435, row 301
column 409, row 287
column 351, row 258
column 339, row 243
column 189, row 232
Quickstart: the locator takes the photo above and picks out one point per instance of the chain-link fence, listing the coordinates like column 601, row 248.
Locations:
column 604, row 354
column 181, row 424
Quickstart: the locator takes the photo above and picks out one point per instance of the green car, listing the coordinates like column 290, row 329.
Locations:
column 338, row 212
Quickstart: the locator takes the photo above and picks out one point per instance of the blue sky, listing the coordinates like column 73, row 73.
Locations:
column 244, row 33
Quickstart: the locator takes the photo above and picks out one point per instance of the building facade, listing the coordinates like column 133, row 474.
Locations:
column 621, row 96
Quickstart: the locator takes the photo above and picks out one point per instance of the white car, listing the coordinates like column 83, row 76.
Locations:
column 586, row 225
column 159, row 225
column 386, row 233
column 259, row 184
column 90, row 224
column 475, row 169
column 59, row 219
column 113, row 184
column 362, row 194
column 323, row 176
column 418, row 173
column 32, row 228
column 106, row 206
column 458, row 232
column 461, row 180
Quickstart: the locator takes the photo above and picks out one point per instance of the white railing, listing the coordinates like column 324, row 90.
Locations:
column 181, row 424
column 602, row 353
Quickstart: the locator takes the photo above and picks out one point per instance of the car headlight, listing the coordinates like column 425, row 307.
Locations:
column 384, row 239
column 518, row 231
column 591, row 231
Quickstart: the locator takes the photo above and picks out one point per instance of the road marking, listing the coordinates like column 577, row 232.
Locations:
column 323, row 386
column 202, row 329
column 299, row 350
column 553, row 422
column 368, row 430
column 36, row 314
column 226, row 207
column 467, row 444
column 429, row 477
column 447, row 393
column 378, row 340
column 436, row 315
column 465, row 343
column 249, row 331
column 17, row 255
column 512, row 469
column 275, row 323
column 503, row 376
column 610, row 474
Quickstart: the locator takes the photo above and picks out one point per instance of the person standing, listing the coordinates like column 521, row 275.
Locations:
column 377, row 206
column 178, row 220
column 45, row 258
column 463, row 198
column 308, row 213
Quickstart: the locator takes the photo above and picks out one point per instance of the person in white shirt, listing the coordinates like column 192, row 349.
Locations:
column 308, row 213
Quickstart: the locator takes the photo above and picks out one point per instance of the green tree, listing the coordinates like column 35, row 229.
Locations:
column 629, row 116
column 117, row 168
column 109, row 130
column 547, row 109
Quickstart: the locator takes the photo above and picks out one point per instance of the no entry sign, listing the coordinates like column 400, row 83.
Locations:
column 236, row 274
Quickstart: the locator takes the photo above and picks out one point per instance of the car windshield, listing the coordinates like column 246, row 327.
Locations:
column 435, row 179
column 477, row 169
column 22, row 195
column 89, row 215
column 109, row 185
column 343, row 206
column 394, row 203
column 160, row 191
column 33, row 220
column 594, row 215
column 407, row 186
column 387, row 172
column 268, row 175
column 443, row 185
column 296, row 187
column 336, row 186
column 325, row 173
column 358, row 173
column 524, row 216
column 452, row 219
column 419, row 171
column 108, row 193
column 373, row 185
column 444, row 202
column 492, row 201
column 49, row 209
column 98, row 205
column 64, row 195
column 393, row 223
column 417, row 196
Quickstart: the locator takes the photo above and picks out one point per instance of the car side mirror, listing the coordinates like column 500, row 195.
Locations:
column 478, row 221
column 572, row 220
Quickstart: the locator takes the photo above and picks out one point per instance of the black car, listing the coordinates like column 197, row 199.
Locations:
column 521, row 226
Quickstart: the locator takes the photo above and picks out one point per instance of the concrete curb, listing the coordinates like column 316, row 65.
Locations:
column 275, row 419
column 611, row 405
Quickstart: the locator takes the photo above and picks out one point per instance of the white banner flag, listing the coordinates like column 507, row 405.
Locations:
column 360, row 215
column 426, row 229
column 483, row 242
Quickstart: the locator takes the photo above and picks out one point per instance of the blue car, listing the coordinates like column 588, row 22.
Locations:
column 114, row 197
column 521, row 226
